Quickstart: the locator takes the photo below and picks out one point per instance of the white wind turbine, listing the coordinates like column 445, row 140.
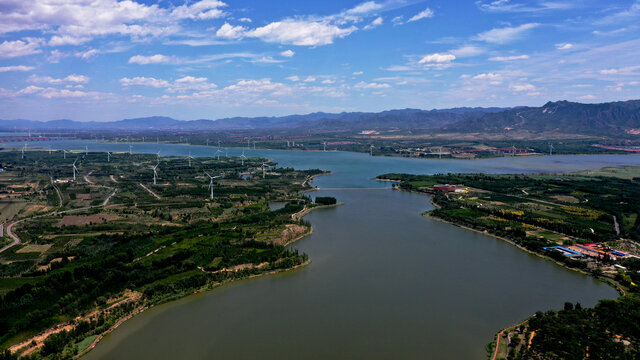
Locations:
column 324, row 146
column 75, row 169
column 64, row 154
column 108, row 156
column 264, row 167
column 189, row 158
column 243, row 157
column 155, row 173
column 23, row 149
column 211, row 183
column 158, row 156
column 550, row 149
column 86, row 150
column 440, row 152
column 50, row 150
column 130, row 149
column 218, row 153
column 371, row 150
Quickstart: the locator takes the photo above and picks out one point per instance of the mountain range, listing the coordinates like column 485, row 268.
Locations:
column 611, row 118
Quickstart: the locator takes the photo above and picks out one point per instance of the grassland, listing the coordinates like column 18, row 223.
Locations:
column 95, row 250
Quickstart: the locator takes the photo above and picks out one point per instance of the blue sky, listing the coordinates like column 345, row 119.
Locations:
column 106, row 60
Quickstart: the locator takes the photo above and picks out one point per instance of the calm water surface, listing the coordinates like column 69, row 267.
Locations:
column 384, row 283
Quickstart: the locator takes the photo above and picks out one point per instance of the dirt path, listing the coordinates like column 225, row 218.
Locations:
column 86, row 178
column 113, row 179
column 495, row 352
column 16, row 240
column 106, row 201
column 151, row 192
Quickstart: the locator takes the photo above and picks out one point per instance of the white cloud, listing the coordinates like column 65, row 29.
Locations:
column 488, row 76
column 310, row 79
column 58, row 40
column 467, row 51
column 375, row 23
column 565, row 46
column 293, row 78
column 287, row 53
column 629, row 70
column 181, row 85
column 300, row 32
column 505, row 34
column 373, row 85
column 437, row 59
column 424, row 14
column 231, row 32
column 364, row 8
column 586, row 97
column 17, row 48
column 73, row 78
column 398, row 20
column 245, row 19
column 16, row 68
column 508, row 6
column 144, row 81
column 357, row 73
column 153, row 59
column 522, row 87
column 509, row 58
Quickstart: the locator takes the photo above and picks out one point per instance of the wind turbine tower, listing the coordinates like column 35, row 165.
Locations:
column 189, row 157
column 155, row 173
column 264, row 167
column 211, row 184
column 371, row 150
column 550, row 149
column 108, row 156
column 75, row 169
column 243, row 157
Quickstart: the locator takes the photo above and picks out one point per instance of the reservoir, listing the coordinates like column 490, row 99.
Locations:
column 384, row 282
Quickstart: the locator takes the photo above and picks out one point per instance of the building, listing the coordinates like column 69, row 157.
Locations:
column 444, row 187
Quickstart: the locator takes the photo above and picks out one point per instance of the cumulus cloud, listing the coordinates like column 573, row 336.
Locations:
column 293, row 78
column 287, row 53
column 437, row 59
column 16, row 68
column 144, row 81
column 373, row 85
column 506, row 34
column 424, row 14
column 78, row 21
column 231, row 32
column 73, row 78
column 153, row 59
column 17, row 48
column 181, row 85
column 300, row 32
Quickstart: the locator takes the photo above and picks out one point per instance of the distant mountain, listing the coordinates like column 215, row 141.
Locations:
column 560, row 116
column 393, row 119
column 566, row 117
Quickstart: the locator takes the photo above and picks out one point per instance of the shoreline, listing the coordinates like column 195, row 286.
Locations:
column 213, row 286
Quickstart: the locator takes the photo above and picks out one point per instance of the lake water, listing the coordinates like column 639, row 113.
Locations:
column 384, row 281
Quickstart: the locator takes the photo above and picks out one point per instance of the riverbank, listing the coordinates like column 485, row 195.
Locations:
column 216, row 285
